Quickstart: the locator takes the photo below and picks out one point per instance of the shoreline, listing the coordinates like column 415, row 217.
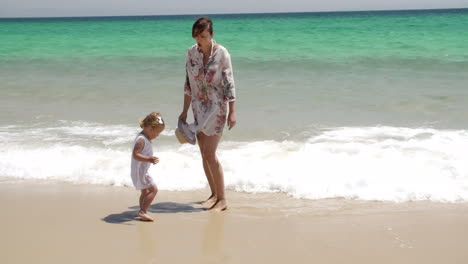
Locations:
column 57, row 222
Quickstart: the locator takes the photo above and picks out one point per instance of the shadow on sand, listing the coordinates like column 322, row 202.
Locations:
column 158, row 208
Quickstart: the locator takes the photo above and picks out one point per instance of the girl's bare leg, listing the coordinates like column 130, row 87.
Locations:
column 146, row 202
column 210, row 145
column 212, row 199
column 142, row 197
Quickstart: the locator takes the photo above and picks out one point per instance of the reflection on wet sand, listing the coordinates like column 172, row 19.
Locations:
column 213, row 250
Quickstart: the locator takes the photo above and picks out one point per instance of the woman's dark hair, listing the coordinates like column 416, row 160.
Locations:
column 202, row 24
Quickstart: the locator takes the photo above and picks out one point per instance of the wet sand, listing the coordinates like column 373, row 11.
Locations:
column 45, row 222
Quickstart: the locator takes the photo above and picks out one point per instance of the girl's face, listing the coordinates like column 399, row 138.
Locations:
column 153, row 132
column 204, row 39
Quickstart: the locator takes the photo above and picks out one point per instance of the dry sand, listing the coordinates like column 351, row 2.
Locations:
column 45, row 222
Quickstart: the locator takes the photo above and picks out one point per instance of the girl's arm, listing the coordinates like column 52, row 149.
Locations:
column 139, row 145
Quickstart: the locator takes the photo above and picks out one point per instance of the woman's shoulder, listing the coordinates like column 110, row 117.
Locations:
column 221, row 49
column 193, row 48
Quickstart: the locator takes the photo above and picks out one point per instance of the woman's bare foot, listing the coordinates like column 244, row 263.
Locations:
column 219, row 206
column 210, row 201
column 143, row 216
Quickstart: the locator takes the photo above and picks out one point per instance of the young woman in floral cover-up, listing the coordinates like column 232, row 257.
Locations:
column 209, row 88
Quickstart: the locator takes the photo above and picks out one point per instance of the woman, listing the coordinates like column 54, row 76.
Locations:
column 209, row 87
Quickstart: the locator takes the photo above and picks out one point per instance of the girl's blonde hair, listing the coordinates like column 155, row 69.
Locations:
column 154, row 120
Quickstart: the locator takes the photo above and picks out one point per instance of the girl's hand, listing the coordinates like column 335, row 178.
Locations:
column 183, row 117
column 231, row 120
column 153, row 160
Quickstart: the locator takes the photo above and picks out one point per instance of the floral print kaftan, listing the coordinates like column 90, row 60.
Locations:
column 211, row 87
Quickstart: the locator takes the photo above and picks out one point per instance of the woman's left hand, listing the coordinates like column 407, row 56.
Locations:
column 231, row 120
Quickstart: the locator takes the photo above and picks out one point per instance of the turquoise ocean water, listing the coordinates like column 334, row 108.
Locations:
column 368, row 105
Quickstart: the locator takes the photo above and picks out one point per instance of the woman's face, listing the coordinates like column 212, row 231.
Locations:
column 204, row 39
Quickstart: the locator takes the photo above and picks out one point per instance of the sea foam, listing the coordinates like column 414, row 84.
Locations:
column 368, row 163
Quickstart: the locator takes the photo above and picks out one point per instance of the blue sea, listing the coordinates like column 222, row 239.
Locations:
column 359, row 105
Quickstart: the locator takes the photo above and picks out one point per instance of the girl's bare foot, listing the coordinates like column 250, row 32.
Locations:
column 143, row 216
column 219, row 206
column 210, row 201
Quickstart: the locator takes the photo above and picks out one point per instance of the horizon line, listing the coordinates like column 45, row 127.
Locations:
column 246, row 13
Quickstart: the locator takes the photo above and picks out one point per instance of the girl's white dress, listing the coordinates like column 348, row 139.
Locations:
column 139, row 170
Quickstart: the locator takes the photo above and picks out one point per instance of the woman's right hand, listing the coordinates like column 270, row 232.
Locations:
column 183, row 116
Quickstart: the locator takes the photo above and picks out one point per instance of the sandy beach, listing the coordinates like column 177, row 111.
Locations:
column 47, row 222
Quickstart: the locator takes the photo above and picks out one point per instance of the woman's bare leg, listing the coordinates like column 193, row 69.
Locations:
column 210, row 145
column 212, row 199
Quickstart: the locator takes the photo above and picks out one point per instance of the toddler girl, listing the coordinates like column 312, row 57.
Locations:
column 142, row 157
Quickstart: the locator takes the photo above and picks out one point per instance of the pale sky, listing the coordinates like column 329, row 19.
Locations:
column 65, row 8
